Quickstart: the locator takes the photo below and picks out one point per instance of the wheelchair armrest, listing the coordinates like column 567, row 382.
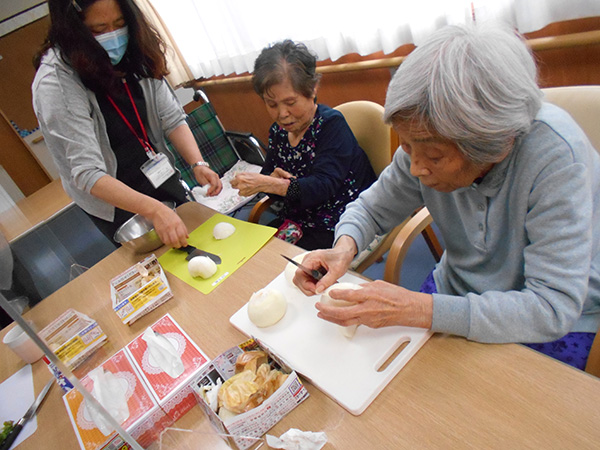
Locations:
column 200, row 95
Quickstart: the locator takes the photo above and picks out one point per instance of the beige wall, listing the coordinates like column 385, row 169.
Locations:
column 241, row 110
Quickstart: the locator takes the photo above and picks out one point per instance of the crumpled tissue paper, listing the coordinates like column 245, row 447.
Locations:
column 212, row 395
column 200, row 191
column 294, row 439
column 163, row 353
column 111, row 394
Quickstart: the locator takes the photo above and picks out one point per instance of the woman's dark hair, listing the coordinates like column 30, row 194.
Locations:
column 285, row 60
column 145, row 51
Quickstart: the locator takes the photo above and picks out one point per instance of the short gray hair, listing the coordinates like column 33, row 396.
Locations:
column 286, row 60
column 474, row 85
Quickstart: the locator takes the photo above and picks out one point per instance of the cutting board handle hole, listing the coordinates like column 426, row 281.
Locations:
column 401, row 346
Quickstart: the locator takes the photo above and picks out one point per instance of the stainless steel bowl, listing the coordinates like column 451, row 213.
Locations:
column 138, row 234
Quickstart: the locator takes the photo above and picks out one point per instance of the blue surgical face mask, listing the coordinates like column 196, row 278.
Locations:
column 115, row 44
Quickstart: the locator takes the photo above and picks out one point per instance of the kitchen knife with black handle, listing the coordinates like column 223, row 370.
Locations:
column 193, row 251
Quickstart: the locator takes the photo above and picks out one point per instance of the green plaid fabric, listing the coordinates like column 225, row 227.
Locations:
column 212, row 141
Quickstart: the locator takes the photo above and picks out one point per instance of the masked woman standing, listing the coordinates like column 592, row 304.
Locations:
column 105, row 109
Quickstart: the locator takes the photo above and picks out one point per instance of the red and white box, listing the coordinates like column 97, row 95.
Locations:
column 146, row 419
column 174, row 395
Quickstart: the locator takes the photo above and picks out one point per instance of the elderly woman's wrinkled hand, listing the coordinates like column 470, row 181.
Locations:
column 379, row 304
column 280, row 173
column 334, row 261
column 248, row 183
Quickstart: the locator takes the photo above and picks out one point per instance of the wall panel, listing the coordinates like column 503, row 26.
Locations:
column 562, row 67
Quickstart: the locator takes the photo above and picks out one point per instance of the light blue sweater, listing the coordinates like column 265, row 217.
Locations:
column 522, row 259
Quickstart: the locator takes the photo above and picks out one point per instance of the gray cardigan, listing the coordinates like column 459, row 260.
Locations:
column 522, row 259
column 75, row 132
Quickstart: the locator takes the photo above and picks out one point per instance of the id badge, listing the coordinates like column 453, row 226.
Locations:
column 158, row 169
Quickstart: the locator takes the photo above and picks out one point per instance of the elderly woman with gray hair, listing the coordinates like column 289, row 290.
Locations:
column 513, row 185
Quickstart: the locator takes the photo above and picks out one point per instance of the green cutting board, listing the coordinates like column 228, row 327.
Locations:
column 234, row 251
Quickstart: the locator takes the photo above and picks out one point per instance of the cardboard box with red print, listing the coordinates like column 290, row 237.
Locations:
column 145, row 419
column 174, row 395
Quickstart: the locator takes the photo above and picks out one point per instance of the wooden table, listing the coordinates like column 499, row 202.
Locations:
column 452, row 394
column 34, row 210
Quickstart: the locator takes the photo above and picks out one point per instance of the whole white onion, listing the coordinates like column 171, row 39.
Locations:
column 290, row 269
column 202, row 266
column 266, row 307
column 327, row 300
column 223, row 230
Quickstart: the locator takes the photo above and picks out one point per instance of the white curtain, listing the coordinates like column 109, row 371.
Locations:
column 221, row 37
column 178, row 68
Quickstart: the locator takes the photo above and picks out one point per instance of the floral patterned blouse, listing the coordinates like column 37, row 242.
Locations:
column 331, row 169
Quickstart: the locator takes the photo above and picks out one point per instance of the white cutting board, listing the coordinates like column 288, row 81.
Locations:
column 344, row 369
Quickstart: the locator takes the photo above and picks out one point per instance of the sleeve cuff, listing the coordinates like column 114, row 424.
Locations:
column 353, row 232
column 451, row 315
column 293, row 192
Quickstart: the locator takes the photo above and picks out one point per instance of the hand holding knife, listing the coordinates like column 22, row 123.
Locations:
column 316, row 274
column 6, row 443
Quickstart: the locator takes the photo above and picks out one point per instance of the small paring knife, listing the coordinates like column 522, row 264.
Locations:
column 193, row 252
column 316, row 274
column 6, row 443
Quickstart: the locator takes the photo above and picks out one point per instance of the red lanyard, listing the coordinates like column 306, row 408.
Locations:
column 145, row 143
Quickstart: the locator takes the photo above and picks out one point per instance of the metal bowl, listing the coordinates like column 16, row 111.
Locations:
column 138, row 234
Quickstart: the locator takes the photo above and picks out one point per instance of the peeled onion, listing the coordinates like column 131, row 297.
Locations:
column 202, row 266
column 290, row 269
column 327, row 300
column 223, row 230
column 266, row 307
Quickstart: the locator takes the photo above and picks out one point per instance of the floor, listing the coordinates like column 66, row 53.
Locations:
column 57, row 251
